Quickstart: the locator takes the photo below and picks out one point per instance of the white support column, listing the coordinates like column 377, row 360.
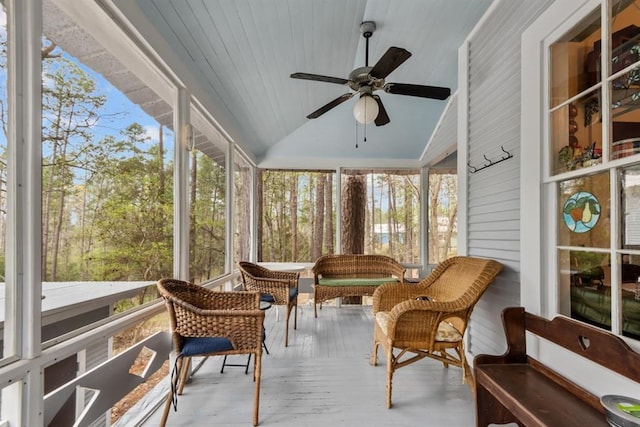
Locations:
column 253, row 214
column 230, row 209
column 182, row 146
column 463, row 147
column 22, row 403
column 338, row 192
column 424, row 220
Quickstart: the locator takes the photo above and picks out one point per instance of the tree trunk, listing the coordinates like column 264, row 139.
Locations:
column 408, row 221
column 354, row 205
column 372, row 217
column 293, row 206
column 354, row 199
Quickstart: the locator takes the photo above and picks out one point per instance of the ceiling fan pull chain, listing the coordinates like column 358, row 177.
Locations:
column 356, row 122
column 365, row 132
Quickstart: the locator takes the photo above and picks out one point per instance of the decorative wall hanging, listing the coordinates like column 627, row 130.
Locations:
column 581, row 212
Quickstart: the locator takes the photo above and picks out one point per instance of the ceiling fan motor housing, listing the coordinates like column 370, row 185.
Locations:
column 367, row 28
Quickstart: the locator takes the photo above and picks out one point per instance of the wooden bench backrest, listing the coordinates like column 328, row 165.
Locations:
column 357, row 266
column 587, row 341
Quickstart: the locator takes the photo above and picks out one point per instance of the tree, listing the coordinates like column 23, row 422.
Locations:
column 354, row 199
column 293, row 208
column 70, row 108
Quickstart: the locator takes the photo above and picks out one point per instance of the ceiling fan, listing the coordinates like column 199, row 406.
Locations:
column 366, row 80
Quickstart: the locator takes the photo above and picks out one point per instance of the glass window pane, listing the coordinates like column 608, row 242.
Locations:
column 584, row 273
column 630, row 205
column 576, row 134
column 297, row 215
column 107, row 189
column 625, row 34
column 3, row 176
column 381, row 213
column 625, row 112
column 629, row 270
column 575, row 60
column 583, row 208
column 207, row 228
column 443, row 210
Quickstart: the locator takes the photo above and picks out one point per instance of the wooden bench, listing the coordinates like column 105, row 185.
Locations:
column 516, row 388
column 337, row 276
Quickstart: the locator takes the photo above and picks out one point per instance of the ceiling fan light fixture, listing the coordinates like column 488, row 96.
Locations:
column 366, row 109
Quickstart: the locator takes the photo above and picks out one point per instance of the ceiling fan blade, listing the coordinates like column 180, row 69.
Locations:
column 339, row 100
column 382, row 118
column 319, row 78
column 392, row 59
column 434, row 92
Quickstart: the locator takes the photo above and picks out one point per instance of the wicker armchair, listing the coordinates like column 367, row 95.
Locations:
column 414, row 321
column 276, row 287
column 210, row 323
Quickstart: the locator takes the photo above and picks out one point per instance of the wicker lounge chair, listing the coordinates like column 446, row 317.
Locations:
column 276, row 287
column 210, row 323
column 414, row 321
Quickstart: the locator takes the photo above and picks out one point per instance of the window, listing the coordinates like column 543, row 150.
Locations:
column 7, row 348
column 207, row 189
column 107, row 180
column 297, row 215
column 594, row 167
column 381, row 213
column 443, row 209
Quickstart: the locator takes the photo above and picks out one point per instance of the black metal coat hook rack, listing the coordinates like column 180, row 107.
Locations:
column 490, row 162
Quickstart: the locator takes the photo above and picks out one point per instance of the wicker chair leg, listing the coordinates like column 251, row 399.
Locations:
column 374, row 353
column 256, row 397
column 286, row 329
column 295, row 315
column 185, row 367
column 390, row 368
column 167, row 407
column 444, row 355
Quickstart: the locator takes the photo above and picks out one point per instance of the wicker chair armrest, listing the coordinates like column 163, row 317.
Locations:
column 421, row 318
column 278, row 288
column 388, row 295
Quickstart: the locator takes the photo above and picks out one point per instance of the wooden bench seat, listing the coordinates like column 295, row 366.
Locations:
column 516, row 388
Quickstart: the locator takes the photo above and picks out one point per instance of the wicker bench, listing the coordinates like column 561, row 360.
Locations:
column 352, row 275
column 516, row 388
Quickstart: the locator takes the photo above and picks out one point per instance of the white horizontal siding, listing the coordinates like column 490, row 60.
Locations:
column 493, row 120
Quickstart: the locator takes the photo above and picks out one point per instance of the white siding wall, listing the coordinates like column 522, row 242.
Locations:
column 493, row 194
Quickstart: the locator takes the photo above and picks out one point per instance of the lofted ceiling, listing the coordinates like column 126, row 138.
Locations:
column 240, row 55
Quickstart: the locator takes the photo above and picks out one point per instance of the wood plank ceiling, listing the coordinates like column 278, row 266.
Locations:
column 242, row 52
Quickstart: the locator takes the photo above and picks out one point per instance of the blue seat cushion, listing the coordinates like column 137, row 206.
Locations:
column 293, row 293
column 194, row 346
